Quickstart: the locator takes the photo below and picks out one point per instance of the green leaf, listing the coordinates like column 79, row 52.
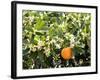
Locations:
column 40, row 25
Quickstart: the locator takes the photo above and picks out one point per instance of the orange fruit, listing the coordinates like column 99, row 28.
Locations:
column 66, row 53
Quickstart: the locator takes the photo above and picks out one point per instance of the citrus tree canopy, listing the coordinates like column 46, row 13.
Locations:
column 45, row 34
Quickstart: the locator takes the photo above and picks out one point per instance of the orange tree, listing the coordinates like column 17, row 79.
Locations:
column 45, row 34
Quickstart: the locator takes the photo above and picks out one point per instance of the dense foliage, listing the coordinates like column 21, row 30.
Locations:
column 46, row 33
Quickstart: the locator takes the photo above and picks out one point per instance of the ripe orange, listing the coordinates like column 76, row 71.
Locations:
column 66, row 53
